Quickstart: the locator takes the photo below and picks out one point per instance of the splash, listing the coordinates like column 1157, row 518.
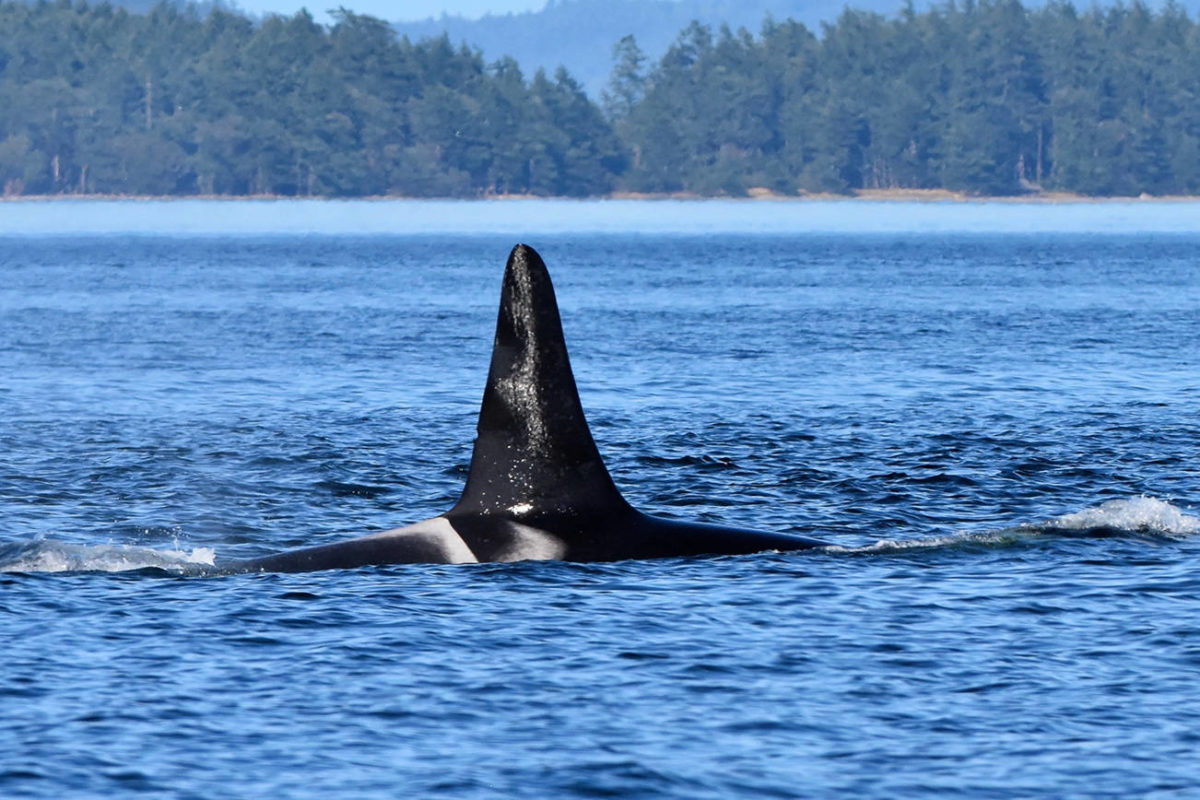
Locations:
column 48, row 555
column 1134, row 517
column 1138, row 515
column 960, row 540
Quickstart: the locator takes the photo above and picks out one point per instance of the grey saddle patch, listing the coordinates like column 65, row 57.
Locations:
column 434, row 535
column 529, row 544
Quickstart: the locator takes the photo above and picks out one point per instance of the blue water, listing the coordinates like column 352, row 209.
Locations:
column 525, row 217
column 998, row 431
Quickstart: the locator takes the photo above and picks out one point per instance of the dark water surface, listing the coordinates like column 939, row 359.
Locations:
column 1001, row 434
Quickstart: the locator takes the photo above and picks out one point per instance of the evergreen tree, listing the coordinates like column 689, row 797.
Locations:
column 627, row 86
column 985, row 97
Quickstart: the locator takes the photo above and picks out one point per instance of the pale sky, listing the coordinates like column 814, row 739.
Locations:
column 391, row 10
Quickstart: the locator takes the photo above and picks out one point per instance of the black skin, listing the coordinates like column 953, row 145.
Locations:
column 535, row 463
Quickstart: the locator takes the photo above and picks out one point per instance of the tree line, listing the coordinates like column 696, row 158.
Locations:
column 99, row 100
column 985, row 97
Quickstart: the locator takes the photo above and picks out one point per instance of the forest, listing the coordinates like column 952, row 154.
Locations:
column 984, row 97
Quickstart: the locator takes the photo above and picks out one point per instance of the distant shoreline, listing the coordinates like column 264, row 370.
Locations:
column 754, row 195
column 526, row 217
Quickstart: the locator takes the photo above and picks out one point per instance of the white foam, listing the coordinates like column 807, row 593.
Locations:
column 1141, row 514
column 1137, row 515
column 884, row 546
column 52, row 556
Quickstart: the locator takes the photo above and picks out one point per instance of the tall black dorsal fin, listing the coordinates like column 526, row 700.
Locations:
column 534, row 455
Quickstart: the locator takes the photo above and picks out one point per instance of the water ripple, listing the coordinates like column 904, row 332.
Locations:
column 997, row 433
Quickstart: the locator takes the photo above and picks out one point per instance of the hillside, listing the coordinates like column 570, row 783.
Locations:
column 989, row 98
column 580, row 34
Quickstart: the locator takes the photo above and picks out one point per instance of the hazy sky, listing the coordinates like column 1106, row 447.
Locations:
column 392, row 9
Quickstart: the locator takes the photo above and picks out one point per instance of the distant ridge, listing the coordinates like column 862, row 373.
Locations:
column 202, row 7
column 580, row 34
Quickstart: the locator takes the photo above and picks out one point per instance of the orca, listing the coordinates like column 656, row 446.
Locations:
column 537, row 487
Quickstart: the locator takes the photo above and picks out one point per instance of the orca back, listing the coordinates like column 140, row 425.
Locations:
column 537, row 487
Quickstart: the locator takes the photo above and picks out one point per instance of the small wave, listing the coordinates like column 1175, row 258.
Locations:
column 343, row 489
column 1134, row 517
column 885, row 546
column 48, row 555
column 1137, row 515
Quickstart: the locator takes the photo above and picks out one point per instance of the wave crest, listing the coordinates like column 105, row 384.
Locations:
column 1137, row 515
column 1134, row 517
column 48, row 555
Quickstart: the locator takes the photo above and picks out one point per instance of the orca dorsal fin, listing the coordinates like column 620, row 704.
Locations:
column 534, row 456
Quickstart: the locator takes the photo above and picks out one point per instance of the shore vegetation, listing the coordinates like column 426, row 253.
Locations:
column 982, row 98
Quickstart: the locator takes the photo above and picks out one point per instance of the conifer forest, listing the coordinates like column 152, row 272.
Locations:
column 984, row 97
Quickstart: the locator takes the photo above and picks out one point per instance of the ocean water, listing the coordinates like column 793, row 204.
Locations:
column 998, row 432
